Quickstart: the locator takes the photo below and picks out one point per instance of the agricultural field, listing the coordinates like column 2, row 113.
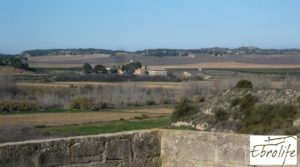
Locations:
column 262, row 70
column 57, row 99
column 69, row 118
column 106, row 127
column 198, row 61
column 58, row 123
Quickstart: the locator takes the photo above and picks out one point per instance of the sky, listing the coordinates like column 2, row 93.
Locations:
column 143, row 24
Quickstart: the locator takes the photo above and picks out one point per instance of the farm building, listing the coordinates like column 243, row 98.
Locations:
column 184, row 72
column 157, row 72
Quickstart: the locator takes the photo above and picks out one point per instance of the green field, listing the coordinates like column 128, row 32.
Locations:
column 262, row 70
column 107, row 127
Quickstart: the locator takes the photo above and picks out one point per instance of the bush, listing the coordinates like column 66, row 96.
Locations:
column 267, row 118
column 235, row 102
column 84, row 103
column 198, row 99
column 87, row 68
column 144, row 116
column 221, row 115
column 248, row 101
column 150, row 102
column 244, row 84
column 184, row 108
column 17, row 106
column 136, row 103
column 100, row 69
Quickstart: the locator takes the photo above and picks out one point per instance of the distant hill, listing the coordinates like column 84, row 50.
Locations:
column 49, row 52
column 216, row 51
column 7, row 55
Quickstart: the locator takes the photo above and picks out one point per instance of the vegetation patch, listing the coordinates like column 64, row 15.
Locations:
column 183, row 109
column 263, row 70
column 244, row 84
column 84, row 103
column 264, row 119
column 17, row 106
column 221, row 115
column 108, row 127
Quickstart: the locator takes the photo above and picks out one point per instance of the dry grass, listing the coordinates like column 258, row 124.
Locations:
column 55, row 119
column 60, row 58
column 227, row 64
column 161, row 110
column 166, row 85
column 13, row 71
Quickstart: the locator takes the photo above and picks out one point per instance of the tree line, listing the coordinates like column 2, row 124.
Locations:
column 161, row 52
column 14, row 61
column 89, row 51
column 101, row 69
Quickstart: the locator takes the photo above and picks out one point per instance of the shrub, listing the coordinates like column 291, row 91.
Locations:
column 84, row 103
column 17, row 106
column 221, row 115
column 235, row 102
column 144, row 116
column 244, row 84
column 198, row 99
column 100, row 69
column 248, row 101
column 103, row 105
column 136, row 103
column 267, row 118
column 164, row 101
column 150, row 102
column 292, row 131
column 298, row 99
column 87, row 68
column 184, row 108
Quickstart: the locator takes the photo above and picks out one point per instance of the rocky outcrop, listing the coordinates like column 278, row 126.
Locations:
column 205, row 120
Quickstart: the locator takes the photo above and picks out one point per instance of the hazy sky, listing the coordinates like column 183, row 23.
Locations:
column 140, row 24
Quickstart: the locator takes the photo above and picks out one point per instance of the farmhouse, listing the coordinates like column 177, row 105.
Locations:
column 157, row 72
column 184, row 72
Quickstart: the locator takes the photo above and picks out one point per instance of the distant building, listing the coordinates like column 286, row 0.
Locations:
column 132, row 60
column 120, row 71
column 184, row 72
column 141, row 71
column 138, row 72
column 157, row 72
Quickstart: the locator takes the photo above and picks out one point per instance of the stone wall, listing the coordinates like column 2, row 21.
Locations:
column 207, row 149
column 139, row 148
column 147, row 148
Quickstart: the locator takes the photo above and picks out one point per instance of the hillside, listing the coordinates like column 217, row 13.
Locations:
column 247, row 111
